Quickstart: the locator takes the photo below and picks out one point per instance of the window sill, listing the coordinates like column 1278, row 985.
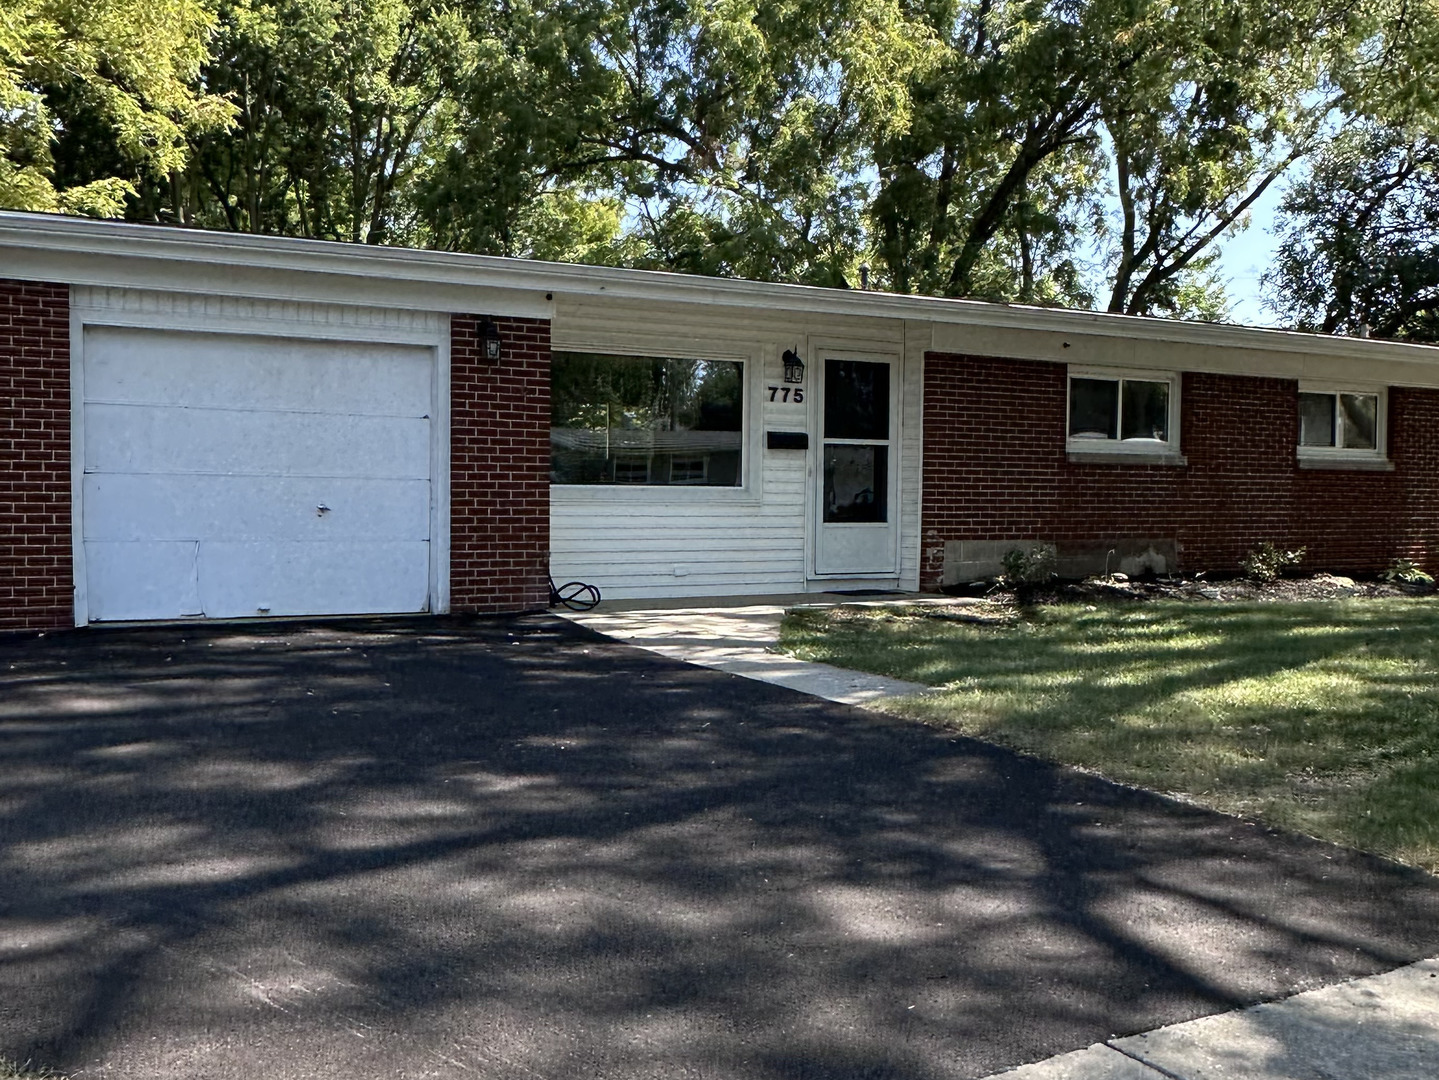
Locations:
column 1126, row 457
column 1354, row 464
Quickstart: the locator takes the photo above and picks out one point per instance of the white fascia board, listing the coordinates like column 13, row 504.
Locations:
column 84, row 251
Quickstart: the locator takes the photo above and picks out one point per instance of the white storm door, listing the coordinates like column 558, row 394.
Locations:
column 857, row 526
column 230, row 475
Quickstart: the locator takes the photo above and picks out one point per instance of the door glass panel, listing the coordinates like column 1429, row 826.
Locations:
column 856, row 482
column 856, row 400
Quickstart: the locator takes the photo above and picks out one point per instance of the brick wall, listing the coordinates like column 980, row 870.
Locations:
column 995, row 468
column 499, row 467
column 36, row 566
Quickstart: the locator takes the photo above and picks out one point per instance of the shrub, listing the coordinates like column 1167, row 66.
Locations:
column 1026, row 568
column 1407, row 572
column 1267, row 562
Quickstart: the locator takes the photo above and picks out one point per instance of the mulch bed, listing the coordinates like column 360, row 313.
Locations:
column 1286, row 589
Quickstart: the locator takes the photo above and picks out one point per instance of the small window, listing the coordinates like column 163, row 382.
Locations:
column 689, row 470
column 646, row 420
column 1339, row 421
column 631, row 469
column 1126, row 413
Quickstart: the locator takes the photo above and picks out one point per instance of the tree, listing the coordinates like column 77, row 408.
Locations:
column 1360, row 237
column 337, row 102
column 729, row 136
column 1011, row 99
column 1225, row 99
column 124, row 71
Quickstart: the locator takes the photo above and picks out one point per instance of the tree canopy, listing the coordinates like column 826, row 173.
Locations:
column 1090, row 153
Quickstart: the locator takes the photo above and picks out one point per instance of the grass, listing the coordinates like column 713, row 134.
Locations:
column 11, row 1071
column 1319, row 717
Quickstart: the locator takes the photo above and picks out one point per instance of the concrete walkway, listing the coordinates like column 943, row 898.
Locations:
column 738, row 638
column 1383, row 1027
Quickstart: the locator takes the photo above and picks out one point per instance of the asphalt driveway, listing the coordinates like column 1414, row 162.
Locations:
column 512, row 849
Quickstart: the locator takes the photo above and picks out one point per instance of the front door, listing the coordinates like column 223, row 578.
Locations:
column 857, row 532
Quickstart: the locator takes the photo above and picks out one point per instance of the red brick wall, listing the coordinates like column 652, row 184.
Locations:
column 499, row 467
column 36, row 566
column 995, row 468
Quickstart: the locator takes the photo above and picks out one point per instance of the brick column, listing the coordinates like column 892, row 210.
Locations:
column 36, row 566
column 499, row 467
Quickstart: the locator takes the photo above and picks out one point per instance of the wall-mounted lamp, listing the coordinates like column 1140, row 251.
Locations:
column 490, row 335
column 793, row 367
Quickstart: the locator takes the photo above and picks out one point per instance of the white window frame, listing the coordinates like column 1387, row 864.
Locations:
column 1165, row 451
column 1340, row 455
column 744, row 493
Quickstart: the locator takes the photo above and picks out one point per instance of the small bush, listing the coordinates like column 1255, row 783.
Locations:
column 1267, row 562
column 1027, row 568
column 1407, row 572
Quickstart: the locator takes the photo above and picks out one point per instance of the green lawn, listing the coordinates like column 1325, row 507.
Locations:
column 1320, row 717
column 11, row 1071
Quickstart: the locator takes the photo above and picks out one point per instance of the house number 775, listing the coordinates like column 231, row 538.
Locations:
column 796, row 394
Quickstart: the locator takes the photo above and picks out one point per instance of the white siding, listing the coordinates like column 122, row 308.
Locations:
column 657, row 542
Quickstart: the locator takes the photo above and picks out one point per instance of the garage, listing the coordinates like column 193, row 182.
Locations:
column 229, row 474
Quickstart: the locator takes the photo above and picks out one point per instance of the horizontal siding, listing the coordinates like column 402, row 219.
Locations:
column 917, row 339
column 637, row 544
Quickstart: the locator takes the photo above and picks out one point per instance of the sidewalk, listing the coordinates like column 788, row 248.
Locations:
column 738, row 638
column 1384, row 1027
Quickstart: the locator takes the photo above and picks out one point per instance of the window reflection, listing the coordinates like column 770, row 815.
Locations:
column 645, row 420
column 856, row 483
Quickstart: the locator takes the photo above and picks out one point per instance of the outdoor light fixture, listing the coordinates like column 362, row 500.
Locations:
column 793, row 367
column 490, row 335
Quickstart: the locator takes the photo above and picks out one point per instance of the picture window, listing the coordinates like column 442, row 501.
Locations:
column 646, row 420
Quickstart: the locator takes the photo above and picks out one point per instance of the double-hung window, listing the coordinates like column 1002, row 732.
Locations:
column 1341, row 424
column 1122, row 412
column 646, row 420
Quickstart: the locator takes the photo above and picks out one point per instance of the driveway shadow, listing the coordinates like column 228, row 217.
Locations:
column 510, row 848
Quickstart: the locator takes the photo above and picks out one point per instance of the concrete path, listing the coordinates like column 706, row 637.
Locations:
column 1383, row 1027
column 738, row 638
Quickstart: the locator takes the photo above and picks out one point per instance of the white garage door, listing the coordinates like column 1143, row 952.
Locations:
column 230, row 476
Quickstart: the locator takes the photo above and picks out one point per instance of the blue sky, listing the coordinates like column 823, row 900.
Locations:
column 1246, row 257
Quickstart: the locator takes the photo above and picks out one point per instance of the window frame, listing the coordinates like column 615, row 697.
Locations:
column 1146, row 451
column 745, row 492
column 1340, row 456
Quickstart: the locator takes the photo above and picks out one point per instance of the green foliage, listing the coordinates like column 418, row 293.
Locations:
column 1268, row 562
column 1028, row 568
column 1360, row 237
column 1080, row 154
column 1407, row 572
column 124, row 70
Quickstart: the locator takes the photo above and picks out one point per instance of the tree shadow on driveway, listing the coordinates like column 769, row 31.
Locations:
column 510, row 848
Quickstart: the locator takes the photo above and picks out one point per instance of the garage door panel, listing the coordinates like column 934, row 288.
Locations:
column 167, row 439
column 248, row 372
column 249, row 579
column 148, row 580
column 232, row 475
column 121, row 506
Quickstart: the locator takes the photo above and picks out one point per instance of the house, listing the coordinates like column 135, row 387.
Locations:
column 223, row 426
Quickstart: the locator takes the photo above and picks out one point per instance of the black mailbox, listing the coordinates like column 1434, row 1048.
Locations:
column 787, row 440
